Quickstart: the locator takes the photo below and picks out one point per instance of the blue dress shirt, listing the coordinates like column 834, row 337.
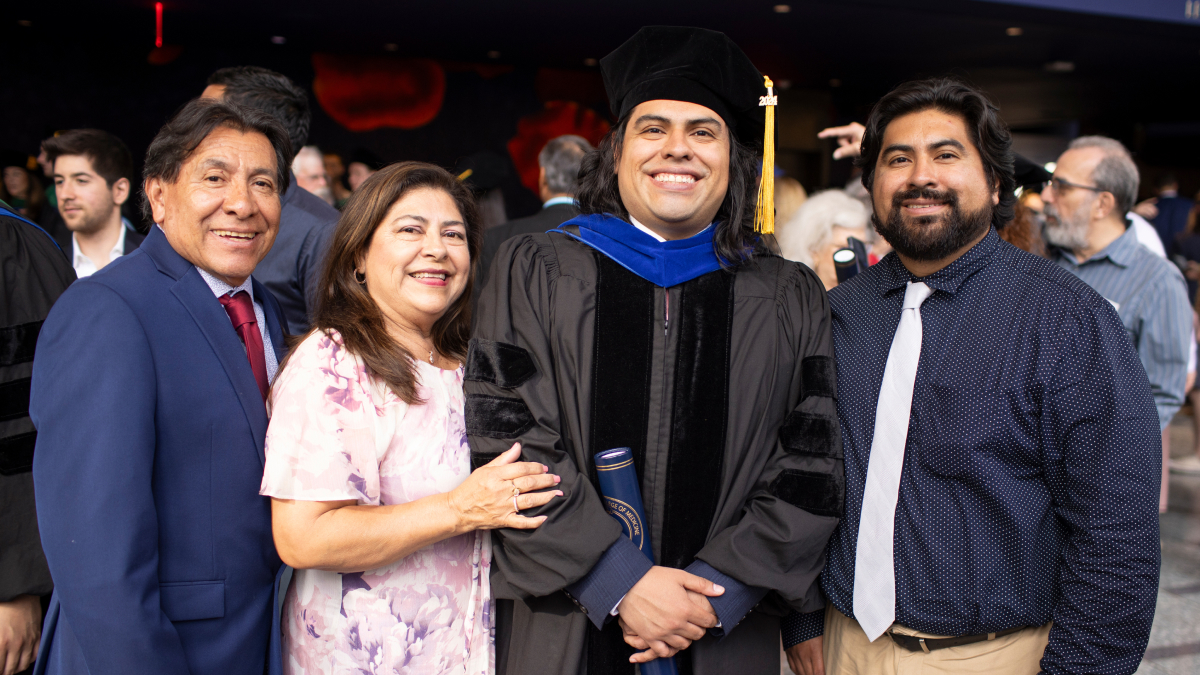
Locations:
column 1150, row 296
column 1029, row 492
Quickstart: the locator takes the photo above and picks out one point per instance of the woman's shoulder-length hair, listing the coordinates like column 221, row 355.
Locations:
column 345, row 306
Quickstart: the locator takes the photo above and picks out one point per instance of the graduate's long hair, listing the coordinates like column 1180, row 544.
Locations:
column 735, row 240
column 344, row 305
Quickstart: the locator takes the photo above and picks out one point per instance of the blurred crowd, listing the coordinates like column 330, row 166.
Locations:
column 1081, row 213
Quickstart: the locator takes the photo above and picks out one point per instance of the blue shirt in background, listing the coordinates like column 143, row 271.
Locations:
column 1150, row 296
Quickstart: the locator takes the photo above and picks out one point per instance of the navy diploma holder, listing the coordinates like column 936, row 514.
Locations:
column 623, row 501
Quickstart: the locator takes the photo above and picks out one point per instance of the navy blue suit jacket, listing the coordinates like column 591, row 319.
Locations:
column 148, row 461
column 292, row 268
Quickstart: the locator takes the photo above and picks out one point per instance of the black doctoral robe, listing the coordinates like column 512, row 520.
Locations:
column 728, row 404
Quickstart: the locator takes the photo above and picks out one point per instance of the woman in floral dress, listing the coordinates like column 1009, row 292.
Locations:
column 373, row 499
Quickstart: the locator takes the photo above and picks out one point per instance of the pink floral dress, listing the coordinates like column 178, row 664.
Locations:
column 338, row 433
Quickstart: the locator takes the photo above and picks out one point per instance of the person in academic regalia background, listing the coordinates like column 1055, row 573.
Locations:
column 658, row 320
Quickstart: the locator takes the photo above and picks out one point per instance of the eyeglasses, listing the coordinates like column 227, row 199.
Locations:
column 1059, row 184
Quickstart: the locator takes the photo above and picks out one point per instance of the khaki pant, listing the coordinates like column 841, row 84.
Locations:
column 847, row 652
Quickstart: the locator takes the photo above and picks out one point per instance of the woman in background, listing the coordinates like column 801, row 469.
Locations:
column 789, row 195
column 823, row 224
column 21, row 188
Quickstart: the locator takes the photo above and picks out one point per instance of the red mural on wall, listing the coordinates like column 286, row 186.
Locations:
column 368, row 92
column 556, row 119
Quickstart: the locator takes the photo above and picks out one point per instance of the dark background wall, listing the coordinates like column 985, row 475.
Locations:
column 72, row 64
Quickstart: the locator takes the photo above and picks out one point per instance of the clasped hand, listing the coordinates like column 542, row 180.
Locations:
column 666, row 611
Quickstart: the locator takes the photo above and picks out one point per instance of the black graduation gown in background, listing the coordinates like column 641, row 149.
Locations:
column 728, row 404
column 33, row 273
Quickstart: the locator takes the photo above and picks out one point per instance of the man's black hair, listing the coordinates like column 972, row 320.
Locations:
column 1166, row 180
column 270, row 92
column 989, row 133
column 109, row 157
column 735, row 240
column 180, row 137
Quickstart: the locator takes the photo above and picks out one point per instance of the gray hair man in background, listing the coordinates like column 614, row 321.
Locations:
column 309, row 169
column 1095, row 184
column 557, row 182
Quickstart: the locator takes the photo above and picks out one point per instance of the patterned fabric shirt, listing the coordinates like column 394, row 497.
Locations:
column 1029, row 491
column 1150, row 296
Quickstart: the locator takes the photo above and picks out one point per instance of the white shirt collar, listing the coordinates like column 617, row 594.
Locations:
column 654, row 234
column 563, row 199
column 85, row 266
column 220, row 288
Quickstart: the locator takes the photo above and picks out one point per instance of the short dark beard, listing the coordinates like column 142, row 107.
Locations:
column 925, row 240
column 93, row 224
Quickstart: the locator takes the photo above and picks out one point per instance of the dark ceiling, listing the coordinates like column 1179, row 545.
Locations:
column 1124, row 77
column 865, row 45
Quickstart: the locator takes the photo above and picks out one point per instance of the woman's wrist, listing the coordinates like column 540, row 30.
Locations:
column 460, row 523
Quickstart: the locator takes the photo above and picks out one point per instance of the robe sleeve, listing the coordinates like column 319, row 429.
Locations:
column 512, row 395
column 793, row 508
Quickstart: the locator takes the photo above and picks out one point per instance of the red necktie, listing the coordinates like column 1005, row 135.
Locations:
column 241, row 312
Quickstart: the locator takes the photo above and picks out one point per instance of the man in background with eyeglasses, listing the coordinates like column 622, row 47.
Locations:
column 1095, row 184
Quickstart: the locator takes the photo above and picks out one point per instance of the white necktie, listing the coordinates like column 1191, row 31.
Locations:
column 874, row 566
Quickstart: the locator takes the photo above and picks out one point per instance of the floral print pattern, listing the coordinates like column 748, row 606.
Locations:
column 338, row 433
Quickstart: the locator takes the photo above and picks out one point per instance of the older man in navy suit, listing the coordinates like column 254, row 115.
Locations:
column 148, row 393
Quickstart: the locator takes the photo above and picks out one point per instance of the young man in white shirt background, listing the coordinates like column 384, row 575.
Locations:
column 91, row 177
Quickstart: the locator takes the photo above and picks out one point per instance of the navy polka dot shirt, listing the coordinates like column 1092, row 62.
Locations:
column 1030, row 484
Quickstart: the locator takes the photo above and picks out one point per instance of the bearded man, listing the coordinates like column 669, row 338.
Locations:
column 658, row 321
column 1000, row 438
column 1094, row 186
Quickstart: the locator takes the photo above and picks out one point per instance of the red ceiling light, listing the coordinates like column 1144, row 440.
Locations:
column 163, row 53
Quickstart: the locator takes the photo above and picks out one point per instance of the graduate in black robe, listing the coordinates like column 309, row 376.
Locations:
column 658, row 320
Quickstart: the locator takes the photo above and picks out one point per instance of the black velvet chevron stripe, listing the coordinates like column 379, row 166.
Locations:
column 621, row 368
column 818, row 493
column 17, row 343
column 16, row 453
column 701, row 409
column 499, row 363
column 818, row 377
column 808, row 434
column 14, row 399
column 497, row 416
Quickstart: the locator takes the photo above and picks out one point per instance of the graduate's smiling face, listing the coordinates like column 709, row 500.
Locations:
column 673, row 170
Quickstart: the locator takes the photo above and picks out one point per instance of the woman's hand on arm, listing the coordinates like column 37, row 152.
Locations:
column 342, row 536
column 485, row 500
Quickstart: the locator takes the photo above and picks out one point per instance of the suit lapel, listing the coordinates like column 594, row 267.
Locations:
column 210, row 317
column 213, row 322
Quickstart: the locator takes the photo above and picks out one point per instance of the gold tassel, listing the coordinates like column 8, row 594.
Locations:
column 764, row 213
